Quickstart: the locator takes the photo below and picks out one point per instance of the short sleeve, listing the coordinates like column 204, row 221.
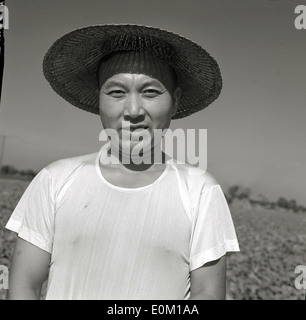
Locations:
column 33, row 217
column 213, row 233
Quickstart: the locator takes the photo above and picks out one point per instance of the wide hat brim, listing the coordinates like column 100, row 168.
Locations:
column 71, row 64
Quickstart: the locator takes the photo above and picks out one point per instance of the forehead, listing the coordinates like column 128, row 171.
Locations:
column 130, row 79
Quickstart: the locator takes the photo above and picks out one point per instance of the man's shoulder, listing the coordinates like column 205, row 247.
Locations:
column 64, row 167
column 197, row 175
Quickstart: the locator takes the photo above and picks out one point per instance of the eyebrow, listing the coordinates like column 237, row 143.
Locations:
column 113, row 83
column 153, row 82
column 148, row 82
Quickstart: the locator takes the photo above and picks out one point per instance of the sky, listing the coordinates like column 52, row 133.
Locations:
column 256, row 128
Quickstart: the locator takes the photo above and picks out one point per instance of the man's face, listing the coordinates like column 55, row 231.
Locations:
column 142, row 101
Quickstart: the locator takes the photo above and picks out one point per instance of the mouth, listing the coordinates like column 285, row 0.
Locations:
column 135, row 128
column 138, row 129
column 137, row 133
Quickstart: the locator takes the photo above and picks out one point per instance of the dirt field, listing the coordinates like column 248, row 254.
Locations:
column 272, row 244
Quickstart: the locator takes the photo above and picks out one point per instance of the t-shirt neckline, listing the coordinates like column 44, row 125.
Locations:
column 125, row 189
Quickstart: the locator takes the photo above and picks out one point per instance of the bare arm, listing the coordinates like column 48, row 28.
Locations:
column 28, row 271
column 209, row 281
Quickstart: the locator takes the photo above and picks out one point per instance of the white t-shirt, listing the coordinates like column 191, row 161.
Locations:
column 109, row 242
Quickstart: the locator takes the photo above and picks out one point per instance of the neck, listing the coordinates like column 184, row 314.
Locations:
column 141, row 161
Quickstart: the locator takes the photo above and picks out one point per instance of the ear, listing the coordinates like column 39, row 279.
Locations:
column 98, row 92
column 98, row 95
column 176, row 99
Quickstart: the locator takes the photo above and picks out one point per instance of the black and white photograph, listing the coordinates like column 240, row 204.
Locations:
column 152, row 150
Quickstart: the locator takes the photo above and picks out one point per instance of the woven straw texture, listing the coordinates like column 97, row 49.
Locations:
column 70, row 65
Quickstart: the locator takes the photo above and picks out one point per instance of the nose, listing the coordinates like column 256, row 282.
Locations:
column 133, row 106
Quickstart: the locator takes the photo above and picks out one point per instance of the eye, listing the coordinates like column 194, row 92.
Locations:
column 116, row 93
column 151, row 93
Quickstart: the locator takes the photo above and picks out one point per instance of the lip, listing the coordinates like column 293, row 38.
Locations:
column 134, row 132
column 138, row 128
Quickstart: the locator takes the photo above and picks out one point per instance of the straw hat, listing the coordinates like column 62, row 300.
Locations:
column 71, row 64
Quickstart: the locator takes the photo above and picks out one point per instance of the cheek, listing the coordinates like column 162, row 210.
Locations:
column 108, row 108
column 162, row 110
column 107, row 115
